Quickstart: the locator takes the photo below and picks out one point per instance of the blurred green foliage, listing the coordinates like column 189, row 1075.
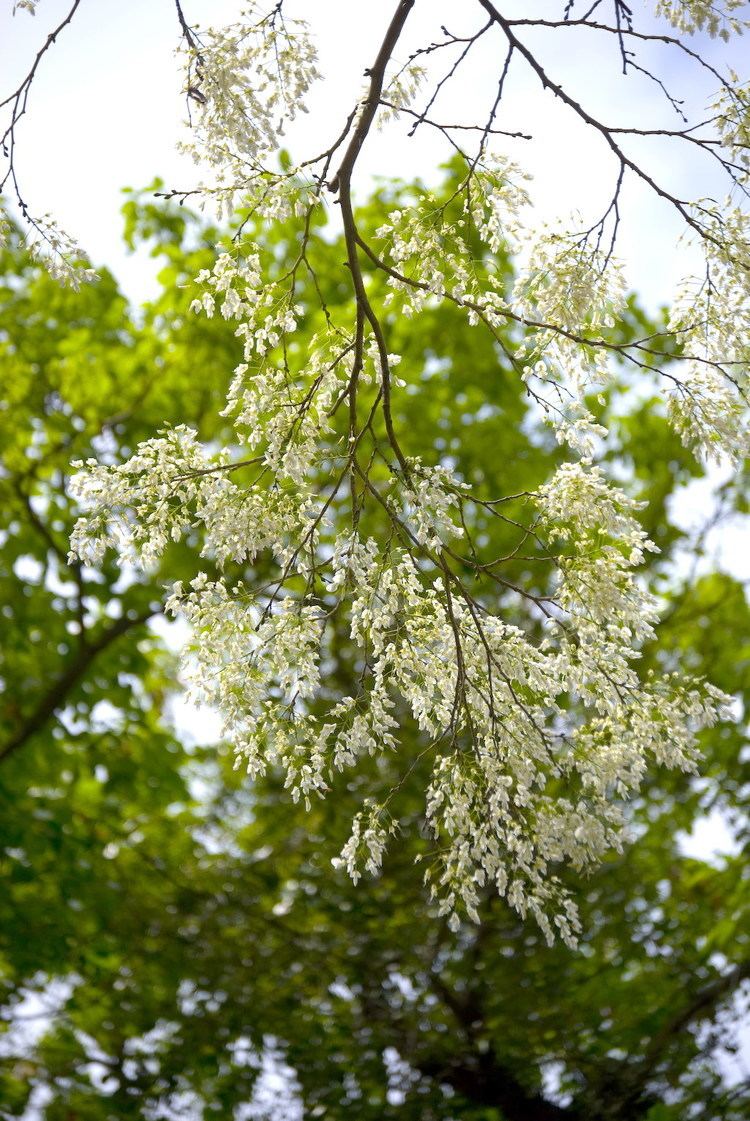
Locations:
column 175, row 942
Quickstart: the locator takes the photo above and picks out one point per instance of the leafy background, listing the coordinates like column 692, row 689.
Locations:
column 175, row 943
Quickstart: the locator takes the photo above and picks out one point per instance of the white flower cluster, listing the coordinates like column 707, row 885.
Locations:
column 25, row 6
column 287, row 416
column 285, row 413
column 567, row 291
column 245, row 82
column 708, row 403
column 427, row 248
column 367, row 843
column 430, row 498
column 401, row 91
column 171, row 486
column 490, row 701
column 264, row 311
column 54, row 249
column 259, row 664
column 530, row 741
column 597, row 589
column 567, row 283
column 496, row 200
column 691, row 16
column 732, row 119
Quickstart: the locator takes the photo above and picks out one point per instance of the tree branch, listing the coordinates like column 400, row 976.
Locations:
column 59, row 690
column 506, row 26
column 342, row 184
column 702, row 1005
column 486, row 1080
column 18, row 100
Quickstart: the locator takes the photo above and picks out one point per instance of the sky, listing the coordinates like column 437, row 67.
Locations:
column 106, row 109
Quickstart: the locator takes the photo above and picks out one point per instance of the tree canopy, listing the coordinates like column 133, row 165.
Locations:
column 408, row 476
column 187, row 933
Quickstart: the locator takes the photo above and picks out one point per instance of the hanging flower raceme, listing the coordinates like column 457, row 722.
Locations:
column 531, row 735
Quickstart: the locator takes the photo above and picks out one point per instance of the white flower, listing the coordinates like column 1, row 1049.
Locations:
column 531, row 741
